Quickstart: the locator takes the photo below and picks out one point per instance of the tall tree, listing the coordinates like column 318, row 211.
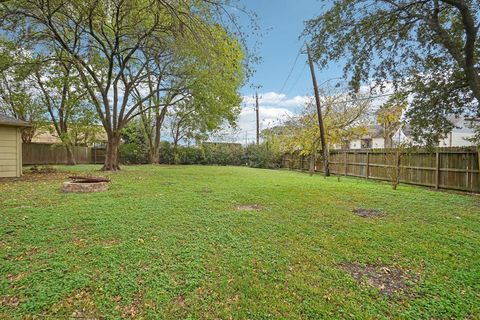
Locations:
column 110, row 44
column 343, row 120
column 428, row 49
column 17, row 97
column 389, row 117
column 64, row 98
column 186, row 124
column 200, row 83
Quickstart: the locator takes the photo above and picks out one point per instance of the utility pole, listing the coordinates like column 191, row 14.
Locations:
column 258, row 118
column 319, row 113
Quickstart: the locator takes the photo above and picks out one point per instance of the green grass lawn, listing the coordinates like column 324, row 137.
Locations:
column 168, row 242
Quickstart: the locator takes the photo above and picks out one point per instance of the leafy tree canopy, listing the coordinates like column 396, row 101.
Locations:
column 428, row 49
column 343, row 121
column 115, row 47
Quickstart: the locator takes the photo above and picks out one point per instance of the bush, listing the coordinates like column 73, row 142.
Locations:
column 262, row 156
column 166, row 152
column 189, row 155
column 224, row 154
column 134, row 149
column 131, row 153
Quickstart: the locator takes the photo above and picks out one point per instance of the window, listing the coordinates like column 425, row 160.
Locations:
column 366, row 143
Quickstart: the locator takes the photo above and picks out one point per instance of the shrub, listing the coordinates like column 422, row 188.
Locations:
column 132, row 153
column 262, row 156
column 222, row 154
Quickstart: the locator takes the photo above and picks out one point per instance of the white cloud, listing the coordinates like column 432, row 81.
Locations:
column 268, row 117
column 276, row 100
column 275, row 108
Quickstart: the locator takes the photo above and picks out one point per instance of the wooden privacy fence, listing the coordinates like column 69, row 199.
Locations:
column 445, row 168
column 45, row 154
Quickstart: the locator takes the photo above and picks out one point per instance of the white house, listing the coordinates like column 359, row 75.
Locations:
column 458, row 137
column 373, row 139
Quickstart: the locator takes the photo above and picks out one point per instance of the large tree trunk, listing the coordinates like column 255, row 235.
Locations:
column 70, row 156
column 174, row 153
column 153, row 135
column 155, row 149
column 158, row 128
column 27, row 135
column 112, row 157
column 156, row 154
column 388, row 141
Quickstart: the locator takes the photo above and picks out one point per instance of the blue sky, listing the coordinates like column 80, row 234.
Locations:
column 281, row 23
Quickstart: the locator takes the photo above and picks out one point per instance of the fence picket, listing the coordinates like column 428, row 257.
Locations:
column 445, row 168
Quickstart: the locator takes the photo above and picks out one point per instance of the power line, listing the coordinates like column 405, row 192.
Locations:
column 297, row 80
column 291, row 70
column 366, row 98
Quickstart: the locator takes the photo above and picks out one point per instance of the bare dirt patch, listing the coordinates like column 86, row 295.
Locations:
column 110, row 243
column 133, row 310
column 180, row 301
column 81, row 243
column 78, row 304
column 28, row 254
column 368, row 213
column 249, row 207
column 386, row 279
column 10, row 301
column 16, row 277
column 38, row 177
column 43, row 169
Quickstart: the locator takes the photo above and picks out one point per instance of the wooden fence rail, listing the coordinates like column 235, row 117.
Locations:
column 46, row 154
column 442, row 168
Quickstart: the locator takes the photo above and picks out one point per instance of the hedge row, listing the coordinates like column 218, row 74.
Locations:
column 258, row 156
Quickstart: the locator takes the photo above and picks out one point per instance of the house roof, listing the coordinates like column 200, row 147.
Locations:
column 374, row 131
column 9, row 121
column 461, row 125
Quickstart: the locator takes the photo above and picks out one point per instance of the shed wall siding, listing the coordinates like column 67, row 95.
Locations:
column 10, row 152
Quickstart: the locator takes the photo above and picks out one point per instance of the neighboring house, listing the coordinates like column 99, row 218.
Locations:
column 45, row 136
column 224, row 144
column 11, row 146
column 49, row 136
column 458, row 137
column 373, row 139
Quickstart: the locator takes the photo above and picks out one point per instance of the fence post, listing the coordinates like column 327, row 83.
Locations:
column 437, row 170
column 397, row 173
column 368, row 165
column 469, row 172
column 473, row 164
column 346, row 164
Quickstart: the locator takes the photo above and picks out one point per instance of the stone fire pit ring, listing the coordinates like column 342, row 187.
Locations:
column 86, row 184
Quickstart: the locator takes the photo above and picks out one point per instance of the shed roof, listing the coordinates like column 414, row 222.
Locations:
column 9, row 121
